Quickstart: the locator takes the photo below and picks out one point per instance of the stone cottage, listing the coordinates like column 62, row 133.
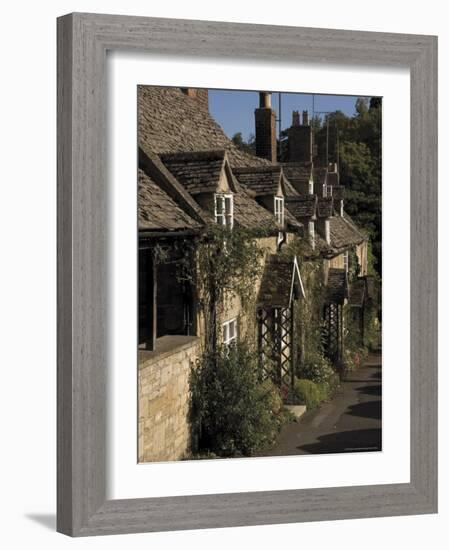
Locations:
column 191, row 176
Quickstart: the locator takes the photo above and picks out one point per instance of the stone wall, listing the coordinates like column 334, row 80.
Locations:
column 164, row 432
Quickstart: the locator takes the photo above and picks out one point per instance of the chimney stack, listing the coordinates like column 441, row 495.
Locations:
column 305, row 118
column 300, row 139
column 295, row 118
column 265, row 128
column 200, row 94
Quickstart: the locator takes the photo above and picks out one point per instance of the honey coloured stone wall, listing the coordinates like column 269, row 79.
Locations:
column 163, row 386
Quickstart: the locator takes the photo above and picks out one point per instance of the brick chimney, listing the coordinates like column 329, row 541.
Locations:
column 265, row 128
column 305, row 118
column 200, row 94
column 300, row 139
column 295, row 118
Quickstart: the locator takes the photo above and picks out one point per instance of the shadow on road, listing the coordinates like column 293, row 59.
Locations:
column 369, row 409
column 346, row 442
column 350, row 422
column 370, row 390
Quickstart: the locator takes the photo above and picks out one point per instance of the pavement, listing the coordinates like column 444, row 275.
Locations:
column 350, row 422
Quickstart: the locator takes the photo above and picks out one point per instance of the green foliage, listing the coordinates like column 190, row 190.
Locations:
column 353, row 357
column 308, row 393
column 356, row 144
column 232, row 413
column 372, row 328
column 332, row 383
column 308, row 313
column 316, row 368
column 222, row 264
column 354, row 267
column 246, row 146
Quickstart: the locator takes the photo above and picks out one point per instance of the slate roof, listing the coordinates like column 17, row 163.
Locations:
column 152, row 165
column 169, row 121
column 322, row 246
column 344, row 232
column 325, row 207
column 303, row 206
column 338, row 192
column 157, row 211
column 319, row 175
column 337, row 285
column 264, row 180
column 332, row 179
column 298, row 173
column 357, row 293
column 199, row 171
column 291, row 222
column 276, row 286
column 249, row 214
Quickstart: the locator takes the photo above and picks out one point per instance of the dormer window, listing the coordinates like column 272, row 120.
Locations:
column 327, row 190
column 224, row 210
column 279, row 210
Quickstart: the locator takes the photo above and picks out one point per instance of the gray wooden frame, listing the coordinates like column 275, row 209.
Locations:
column 83, row 40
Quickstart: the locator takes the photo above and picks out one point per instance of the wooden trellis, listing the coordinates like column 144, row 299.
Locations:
column 276, row 337
column 333, row 317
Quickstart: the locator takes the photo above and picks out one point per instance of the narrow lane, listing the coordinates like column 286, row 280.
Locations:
column 351, row 422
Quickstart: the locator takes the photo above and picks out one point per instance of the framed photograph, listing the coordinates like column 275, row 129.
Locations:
column 247, row 274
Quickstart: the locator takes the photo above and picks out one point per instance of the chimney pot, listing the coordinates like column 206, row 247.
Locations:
column 295, row 118
column 305, row 118
column 265, row 100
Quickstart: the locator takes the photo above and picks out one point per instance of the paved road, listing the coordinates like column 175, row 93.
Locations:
column 351, row 422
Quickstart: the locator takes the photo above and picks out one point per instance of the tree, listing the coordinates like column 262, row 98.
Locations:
column 246, row 146
column 356, row 143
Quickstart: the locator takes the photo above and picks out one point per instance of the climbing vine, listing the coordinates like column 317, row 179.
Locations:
column 308, row 311
column 223, row 265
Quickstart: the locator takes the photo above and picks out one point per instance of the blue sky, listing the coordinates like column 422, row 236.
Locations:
column 234, row 110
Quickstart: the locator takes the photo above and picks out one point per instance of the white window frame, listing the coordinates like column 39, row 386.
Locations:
column 279, row 210
column 230, row 336
column 312, row 233
column 224, row 216
column 346, row 261
column 327, row 231
column 310, row 187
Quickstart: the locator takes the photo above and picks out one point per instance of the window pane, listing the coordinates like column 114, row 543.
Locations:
column 228, row 203
column 219, row 204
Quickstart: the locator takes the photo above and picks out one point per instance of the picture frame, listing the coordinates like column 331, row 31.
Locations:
column 83, row 40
